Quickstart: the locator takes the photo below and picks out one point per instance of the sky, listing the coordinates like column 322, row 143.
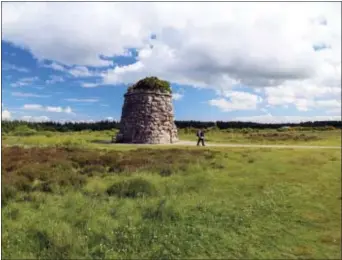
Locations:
column 261, row 61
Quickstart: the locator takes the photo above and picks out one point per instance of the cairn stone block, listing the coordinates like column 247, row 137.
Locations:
column 147, row 115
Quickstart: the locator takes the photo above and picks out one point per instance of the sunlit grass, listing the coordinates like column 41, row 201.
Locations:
column 181, row 203
column 101, row 139
column 332, row 137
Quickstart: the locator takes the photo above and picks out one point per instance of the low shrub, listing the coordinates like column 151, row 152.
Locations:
column 283, row 136
column 72, row 144
column 93, row 170
column 246, row 130
column 115, row 168
column 152, row 83
column 49, row 134
column 49, row 246
column 44, row 186
column 132, row 188
column 166, row 172
column 85, row 158
column 24, row 130
column 161, row 212
column 43, row 176
column 54, row 169
column 7, row 194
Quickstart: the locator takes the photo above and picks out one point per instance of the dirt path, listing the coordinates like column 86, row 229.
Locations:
column 192, row 143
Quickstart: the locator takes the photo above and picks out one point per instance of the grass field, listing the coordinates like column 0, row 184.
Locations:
column 310, row 137
column 70, row 200
column 93, row 139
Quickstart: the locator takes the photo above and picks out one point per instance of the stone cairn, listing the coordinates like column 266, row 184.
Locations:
column 147, row 114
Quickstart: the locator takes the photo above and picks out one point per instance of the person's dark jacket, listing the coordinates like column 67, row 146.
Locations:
column 200, row 134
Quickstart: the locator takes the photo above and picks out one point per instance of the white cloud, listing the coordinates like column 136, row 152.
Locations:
column 306, row 95
column 177, row 96
column 213, row 45
column 54, row 109
column 330, row 104
column 236, row 101
column 35, row 118
column 5, row 114
column 32, row 107
column 268, row 118
column 75, row 71
column 58, row 109
column 8, row 66
column 76, row 121
column 89, row 85
column 82, row 100
column 54, row 79
column 80, row 71
column 21, row 94
column 110, row 118
column 85, row 121
column 24, row 82
column 68, row 110
column 55, row 66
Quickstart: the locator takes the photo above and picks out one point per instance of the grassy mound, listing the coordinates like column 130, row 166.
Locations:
column 152, row 83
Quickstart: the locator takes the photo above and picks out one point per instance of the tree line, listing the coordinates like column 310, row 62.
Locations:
column 8, row 126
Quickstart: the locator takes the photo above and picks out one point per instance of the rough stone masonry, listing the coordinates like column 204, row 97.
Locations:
column 147, row 118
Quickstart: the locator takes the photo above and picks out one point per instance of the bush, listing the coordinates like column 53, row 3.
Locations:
column 166, row 172
column 132, row 188
column 7, row 193
column 44, row 186
column 329, row 128
column 72, row 144
column 49, row 134
column 43, row 176
column 116, row 168
column 24, row 130
column 246, row 130
column 161, row 212
column 152, row 83
column 92, row 170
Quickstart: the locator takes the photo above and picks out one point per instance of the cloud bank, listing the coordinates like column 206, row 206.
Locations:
column 290, row 52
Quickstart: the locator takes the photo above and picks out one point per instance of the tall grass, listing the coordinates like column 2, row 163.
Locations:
column 170, row 203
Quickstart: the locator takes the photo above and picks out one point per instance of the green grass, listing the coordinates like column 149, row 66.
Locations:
column 95, row 139
column 82, row 138
column 310, row 137
column 152, row 83
column 179, row 203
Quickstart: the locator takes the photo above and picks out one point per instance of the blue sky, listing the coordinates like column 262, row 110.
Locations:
column 96, row 103
column 219, row 69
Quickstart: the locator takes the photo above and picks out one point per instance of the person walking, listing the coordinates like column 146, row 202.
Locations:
column 200, row 135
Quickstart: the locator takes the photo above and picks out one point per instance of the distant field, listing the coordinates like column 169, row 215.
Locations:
column 235, row 136
column 69, row 202
column 309, row 137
